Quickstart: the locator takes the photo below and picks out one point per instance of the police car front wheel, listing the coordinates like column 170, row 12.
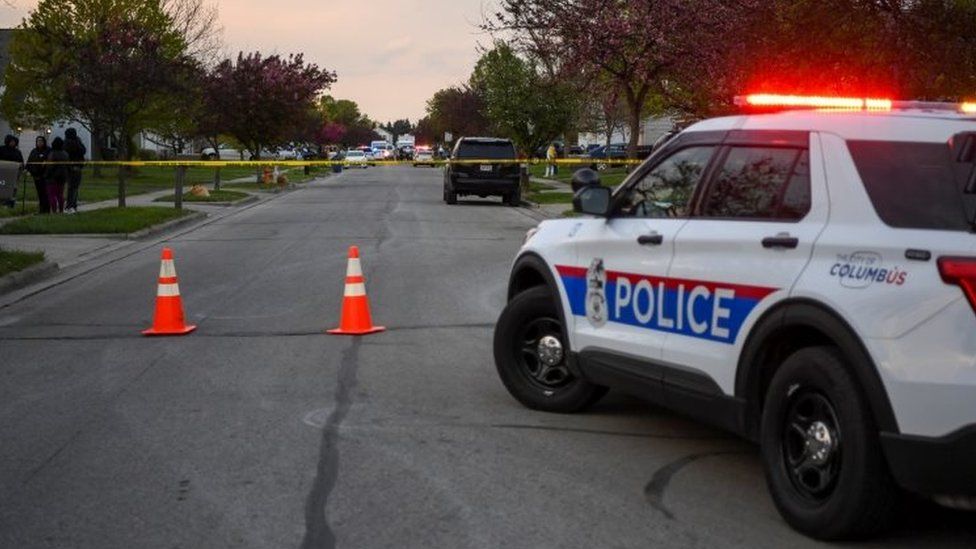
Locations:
column 820, row 449
column 531, row 356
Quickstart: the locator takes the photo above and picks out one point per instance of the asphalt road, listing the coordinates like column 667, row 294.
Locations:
column 260, row 431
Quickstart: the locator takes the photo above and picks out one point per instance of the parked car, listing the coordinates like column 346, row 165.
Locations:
column 805, row 279
column 286, row 153
column 603, row 157
column 465, row 177
column 423, row 156
column 226, row 153
column 356, row 159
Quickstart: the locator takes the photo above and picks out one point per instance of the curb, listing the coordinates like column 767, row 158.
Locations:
column 28, row 276
column 239, row 202
column 163, row 227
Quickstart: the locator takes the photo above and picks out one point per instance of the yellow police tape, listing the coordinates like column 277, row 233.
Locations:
column 303, row 163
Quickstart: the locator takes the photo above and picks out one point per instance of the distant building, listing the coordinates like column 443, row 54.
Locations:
column 652, row 128
column 385, row 135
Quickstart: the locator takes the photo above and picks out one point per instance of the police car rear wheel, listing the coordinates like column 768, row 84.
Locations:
column 531, row 356
column 821, row 452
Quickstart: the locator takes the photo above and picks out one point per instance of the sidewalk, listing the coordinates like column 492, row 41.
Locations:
column 552, row 210
column 67, row 250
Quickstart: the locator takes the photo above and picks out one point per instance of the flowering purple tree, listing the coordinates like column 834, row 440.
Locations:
column 260, row 99
column 645, row 48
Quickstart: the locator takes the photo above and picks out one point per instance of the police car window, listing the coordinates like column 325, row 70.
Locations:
column 666, row 190
column 760, row 183
column 915, row 185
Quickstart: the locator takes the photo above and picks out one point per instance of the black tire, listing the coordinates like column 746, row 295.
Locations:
column 450, row 196
column 514, row 198
column 529, row 317
column 845, row 492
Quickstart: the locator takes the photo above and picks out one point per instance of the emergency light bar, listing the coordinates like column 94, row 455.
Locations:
column 768, row 100
column 772, row 102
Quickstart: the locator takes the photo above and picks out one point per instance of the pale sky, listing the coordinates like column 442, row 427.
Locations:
column 390, row 55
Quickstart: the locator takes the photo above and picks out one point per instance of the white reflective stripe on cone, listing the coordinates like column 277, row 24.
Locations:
column 353, row 268
column 168, row 290
column 167, row 269
column 356, row 289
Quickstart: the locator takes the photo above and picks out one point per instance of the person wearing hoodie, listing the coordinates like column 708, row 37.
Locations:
column 76, row 153
column 36, row 167
column 56, row 175
column 11, row 150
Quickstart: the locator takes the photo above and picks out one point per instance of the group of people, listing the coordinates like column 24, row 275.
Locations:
column 53, row 168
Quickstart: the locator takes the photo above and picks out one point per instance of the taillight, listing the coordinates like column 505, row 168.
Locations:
column 960, row 271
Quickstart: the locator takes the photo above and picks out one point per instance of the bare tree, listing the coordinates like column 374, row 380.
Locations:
column 199, row 25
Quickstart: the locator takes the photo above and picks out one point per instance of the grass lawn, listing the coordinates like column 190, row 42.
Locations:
column 551, row 198
column 215, row 196
column 294, row 175
column 102, row 221
column 536, row 187
column 142, row 180
column 13, row 261
column 15, row 212
column 611, row 177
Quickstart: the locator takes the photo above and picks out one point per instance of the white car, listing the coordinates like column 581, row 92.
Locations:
column 356, row 159
column 286, row 154
column 805, row 278
column 226, row 153
column 423, row 156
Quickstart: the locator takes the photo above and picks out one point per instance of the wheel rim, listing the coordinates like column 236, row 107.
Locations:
column 541, row 354
column 812, row 445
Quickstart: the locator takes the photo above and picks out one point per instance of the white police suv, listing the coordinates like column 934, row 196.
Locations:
column 806, row 278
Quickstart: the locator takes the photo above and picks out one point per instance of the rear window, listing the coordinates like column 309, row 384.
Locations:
column 489, row 151
column 915, row 185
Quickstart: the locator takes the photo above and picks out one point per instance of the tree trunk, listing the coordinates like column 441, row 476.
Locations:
column 178, row 187
column 123, row 155
column 121, row 178
column 634, row 121
column 96, row 149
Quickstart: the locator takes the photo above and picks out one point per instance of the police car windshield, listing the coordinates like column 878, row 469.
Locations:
column 491, row 151
column 915, row 185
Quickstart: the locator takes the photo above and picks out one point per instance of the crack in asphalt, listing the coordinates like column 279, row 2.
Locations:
column 609, row 433
column 318, row 533
column 655, row 489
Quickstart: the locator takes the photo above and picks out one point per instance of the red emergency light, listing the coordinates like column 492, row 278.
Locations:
column 775, row 101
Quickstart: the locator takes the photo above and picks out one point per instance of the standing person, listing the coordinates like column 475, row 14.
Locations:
column 11, row 153
column 36, row 168
column 76, row 153
column 11, row 150
column 56, row 175
column 551, row 160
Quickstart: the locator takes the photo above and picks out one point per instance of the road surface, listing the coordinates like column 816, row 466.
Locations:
column 260, row 431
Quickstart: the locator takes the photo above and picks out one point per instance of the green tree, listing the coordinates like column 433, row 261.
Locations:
column 458, row 110
column 340, row 111
column 398, row 128
column 519, row 102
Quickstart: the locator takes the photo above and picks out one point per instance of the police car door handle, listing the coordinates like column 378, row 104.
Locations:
column 780, row 241
column 652, row 239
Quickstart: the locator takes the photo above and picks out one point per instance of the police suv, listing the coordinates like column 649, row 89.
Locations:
column 805, row 278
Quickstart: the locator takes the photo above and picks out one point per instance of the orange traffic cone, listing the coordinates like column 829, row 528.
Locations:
column 168, row 319
column 355, row 306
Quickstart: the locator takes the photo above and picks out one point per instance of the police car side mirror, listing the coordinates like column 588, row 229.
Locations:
column 592, row 201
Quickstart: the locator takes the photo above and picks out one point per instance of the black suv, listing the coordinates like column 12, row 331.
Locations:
column 498, row 174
